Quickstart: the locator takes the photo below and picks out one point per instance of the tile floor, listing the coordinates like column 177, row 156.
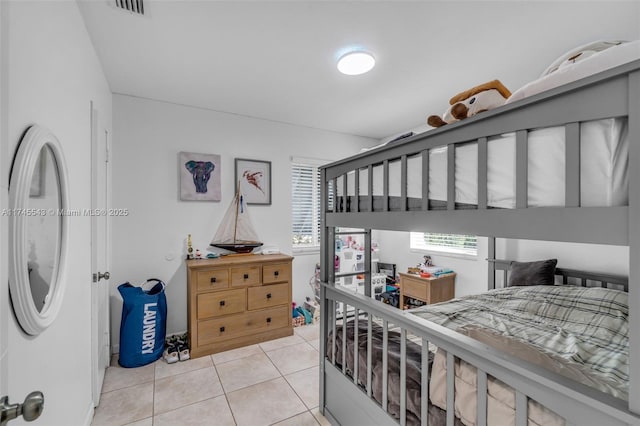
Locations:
column 271, row 383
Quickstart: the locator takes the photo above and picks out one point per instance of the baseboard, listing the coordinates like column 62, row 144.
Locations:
column 115, row 349
column 89, row 416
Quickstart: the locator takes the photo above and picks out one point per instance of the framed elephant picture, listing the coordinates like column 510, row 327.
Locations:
column 199, row 177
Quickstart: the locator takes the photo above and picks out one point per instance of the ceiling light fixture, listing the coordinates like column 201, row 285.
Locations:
column 356, row 63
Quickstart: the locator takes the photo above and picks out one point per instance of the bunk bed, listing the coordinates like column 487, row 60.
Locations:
column 384, row 372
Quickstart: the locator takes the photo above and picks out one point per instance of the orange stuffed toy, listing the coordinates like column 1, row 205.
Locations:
column 470, row 102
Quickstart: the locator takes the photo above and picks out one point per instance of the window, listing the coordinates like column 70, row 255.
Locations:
column 445, row 243
column 305, row 203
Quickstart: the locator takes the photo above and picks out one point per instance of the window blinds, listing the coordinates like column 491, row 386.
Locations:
column 450, row 243
column 305, row 205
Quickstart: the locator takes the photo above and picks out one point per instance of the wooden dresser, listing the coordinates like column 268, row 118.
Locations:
column 237, row 301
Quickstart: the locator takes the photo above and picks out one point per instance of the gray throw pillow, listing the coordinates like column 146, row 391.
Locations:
column 532, row 273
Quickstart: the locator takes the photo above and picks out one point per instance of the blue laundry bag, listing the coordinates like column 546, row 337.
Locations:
column 144, row 323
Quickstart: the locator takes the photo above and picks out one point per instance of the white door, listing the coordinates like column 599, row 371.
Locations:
column 4, row 203
column 100, row 243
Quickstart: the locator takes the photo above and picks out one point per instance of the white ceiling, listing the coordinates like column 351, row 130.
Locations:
column 276, row 60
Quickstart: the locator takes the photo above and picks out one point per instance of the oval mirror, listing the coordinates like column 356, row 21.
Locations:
column 38, row 229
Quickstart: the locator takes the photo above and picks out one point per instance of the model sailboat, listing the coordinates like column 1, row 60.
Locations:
column 236, row 231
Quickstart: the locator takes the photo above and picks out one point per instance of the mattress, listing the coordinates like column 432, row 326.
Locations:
column 603, row 173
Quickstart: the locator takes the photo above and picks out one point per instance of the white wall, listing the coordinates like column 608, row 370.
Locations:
column 53, row 74
column 588, row 257
column 151, row 241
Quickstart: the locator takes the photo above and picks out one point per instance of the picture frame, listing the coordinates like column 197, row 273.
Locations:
column 254, row 178
column 200, row 176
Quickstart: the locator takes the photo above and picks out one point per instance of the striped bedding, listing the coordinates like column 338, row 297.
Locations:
column 584, row 327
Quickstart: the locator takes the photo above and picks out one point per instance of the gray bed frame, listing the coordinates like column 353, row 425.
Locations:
column 612, row 93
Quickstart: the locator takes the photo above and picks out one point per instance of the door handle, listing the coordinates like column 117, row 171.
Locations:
column 99, row 276
column 30, row 409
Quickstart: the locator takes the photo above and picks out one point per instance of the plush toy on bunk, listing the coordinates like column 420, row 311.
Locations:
column 236, row 232
column 481, row 98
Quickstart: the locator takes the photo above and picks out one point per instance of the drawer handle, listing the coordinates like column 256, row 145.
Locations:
column 246, row 276
column 213, row 280
column 221, row 329
column 276, row 273
column 269, row 319
column 222, row 303
column 268, row 295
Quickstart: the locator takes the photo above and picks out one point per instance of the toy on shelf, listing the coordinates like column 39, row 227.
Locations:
column 466, row 104
column 426, row 269
column 189, row 247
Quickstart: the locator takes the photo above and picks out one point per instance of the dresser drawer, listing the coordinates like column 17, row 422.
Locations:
column 229, row 327
column 247, row 275
column 278, row 273
column 213, row 279
column 416, row 288
column 221, row 303
column 268, row 295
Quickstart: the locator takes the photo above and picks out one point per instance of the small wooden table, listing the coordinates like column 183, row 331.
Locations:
column 428, row 290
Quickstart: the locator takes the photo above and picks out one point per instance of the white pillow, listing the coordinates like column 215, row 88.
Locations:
column 579, row 53
column 603, row 60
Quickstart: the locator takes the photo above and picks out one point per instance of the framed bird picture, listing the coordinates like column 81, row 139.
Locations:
column 254, row 178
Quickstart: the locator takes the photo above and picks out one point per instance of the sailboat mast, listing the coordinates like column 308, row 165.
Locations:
column 235, row 225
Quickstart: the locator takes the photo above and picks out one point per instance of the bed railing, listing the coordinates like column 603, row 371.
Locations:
column 577, row 403
column 576, row 277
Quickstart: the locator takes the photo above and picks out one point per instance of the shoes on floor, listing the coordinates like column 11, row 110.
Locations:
column 183, row 347
column 176, row 348
column 171, row 353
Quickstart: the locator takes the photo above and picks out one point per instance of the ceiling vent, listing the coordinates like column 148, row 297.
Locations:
column 133, row 6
